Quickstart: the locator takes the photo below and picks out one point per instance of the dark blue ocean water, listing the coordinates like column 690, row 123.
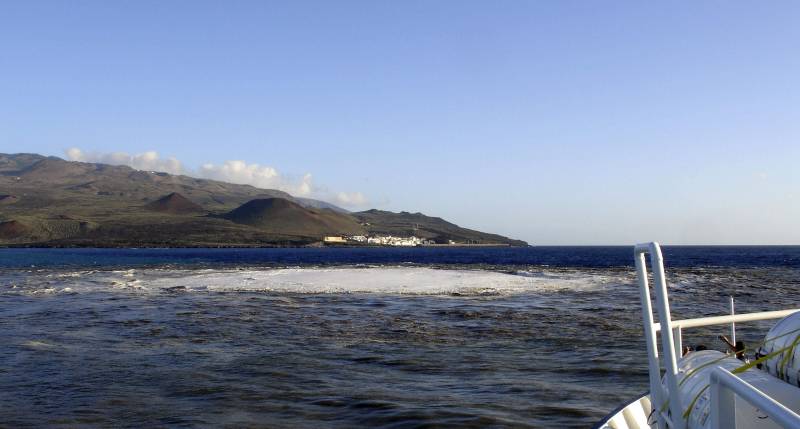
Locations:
column 562, row 256
column 341, row 337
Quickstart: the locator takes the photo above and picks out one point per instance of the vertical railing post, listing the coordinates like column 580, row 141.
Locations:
column 667, row 342
column 733, row 324
column 656, row 391
column 723, row 411
column 677, row 336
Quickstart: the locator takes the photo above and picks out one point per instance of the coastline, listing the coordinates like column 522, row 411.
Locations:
column 317, row 245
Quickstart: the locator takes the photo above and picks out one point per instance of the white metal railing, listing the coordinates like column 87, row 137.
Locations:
column 671, row 338
column 657, row 391
column 733, row 324
column 725, row 386
column 723, row 320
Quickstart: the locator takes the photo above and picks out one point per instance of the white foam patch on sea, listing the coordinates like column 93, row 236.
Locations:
column 380, row 280
column 415, row 281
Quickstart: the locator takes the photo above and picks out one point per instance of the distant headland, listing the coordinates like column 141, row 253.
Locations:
column 50, row 202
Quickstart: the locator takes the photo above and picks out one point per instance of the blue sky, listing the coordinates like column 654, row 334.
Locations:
column 557, row 122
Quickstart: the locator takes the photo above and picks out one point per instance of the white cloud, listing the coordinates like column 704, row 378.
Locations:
column 234, row 171
column 149, row 161
column 258, row 176
column 351, row 199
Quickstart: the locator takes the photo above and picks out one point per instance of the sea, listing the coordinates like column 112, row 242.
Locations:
column 537, row 337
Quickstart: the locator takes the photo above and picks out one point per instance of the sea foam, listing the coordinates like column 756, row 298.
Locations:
column 386, row 280
column 395, row 280
column 380, row 280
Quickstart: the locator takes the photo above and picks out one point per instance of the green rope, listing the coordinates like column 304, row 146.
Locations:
column 694, row 401
column 768, row 356
column 785, row 361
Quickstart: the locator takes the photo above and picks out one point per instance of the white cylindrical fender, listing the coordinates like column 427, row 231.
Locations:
column 693, row 384
column 785, row 365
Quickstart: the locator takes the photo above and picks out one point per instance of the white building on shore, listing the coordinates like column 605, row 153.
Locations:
column 389, row 240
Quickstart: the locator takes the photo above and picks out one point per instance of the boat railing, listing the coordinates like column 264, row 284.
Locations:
column 671, row 341
column 725, row 386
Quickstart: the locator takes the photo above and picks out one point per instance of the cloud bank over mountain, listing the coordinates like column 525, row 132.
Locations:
column 232, row 171
column 149, row 160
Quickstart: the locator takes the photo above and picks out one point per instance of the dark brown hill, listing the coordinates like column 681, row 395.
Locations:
column 174, row 203
column 284, row 216
column 13, row 229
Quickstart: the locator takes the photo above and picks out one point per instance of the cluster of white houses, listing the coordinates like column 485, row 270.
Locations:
column 379, row 240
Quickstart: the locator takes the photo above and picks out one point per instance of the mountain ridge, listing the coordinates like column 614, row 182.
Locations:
column 52, row 202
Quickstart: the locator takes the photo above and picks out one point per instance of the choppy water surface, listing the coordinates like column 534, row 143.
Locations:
column 473, row 338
